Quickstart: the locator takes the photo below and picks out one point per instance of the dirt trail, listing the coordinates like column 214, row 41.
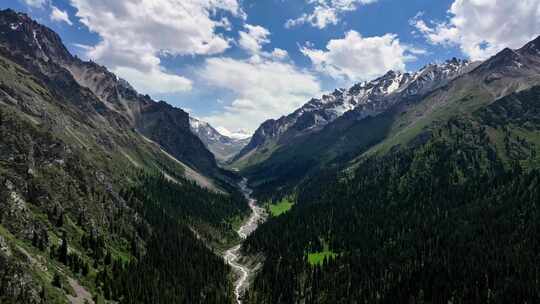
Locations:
column 81, row 292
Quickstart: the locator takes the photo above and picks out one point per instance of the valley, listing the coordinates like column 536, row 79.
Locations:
column 414, row 186
column 233, row 255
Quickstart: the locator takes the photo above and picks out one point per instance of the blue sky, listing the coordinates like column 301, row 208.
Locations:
column 237, row 63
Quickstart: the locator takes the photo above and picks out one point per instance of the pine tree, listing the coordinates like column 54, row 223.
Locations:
column 57, row 281
column 63, row 250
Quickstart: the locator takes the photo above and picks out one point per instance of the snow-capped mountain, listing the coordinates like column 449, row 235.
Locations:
column 239, row 134
column 365, row 98
column 223, row 144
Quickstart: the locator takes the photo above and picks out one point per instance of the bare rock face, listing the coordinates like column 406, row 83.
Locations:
column 15, row 279
column 4, row 247
column 14, row 207
column 111, row 101
column 169, row 127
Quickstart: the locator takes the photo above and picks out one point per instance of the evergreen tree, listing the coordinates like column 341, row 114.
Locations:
column 57, row 281
column 63, row 250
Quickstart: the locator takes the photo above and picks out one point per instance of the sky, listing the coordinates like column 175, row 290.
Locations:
column 237, row 63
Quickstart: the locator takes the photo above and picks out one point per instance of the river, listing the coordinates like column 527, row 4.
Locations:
column 233, row 254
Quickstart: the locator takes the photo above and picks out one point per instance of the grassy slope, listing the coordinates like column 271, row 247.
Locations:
column 317, row 258
column 254, row 157
column 291, row 163
column 347, row 142
column 281, row 207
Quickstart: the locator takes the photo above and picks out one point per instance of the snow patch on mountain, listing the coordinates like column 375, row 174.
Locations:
column 365, row 98
column 220, row 141
column 240, row 134
column 391, row 84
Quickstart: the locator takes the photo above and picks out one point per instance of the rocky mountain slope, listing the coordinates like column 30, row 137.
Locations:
column 40, row 49
column 366, row 98
column 403, row 116
column 223, row 147
column 84, row 161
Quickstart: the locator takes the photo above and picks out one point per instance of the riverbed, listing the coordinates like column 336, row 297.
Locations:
column 233, row 255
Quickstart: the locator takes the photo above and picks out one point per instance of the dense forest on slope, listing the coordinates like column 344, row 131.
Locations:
column 120, row 246
column 451, row 217
column 82, row 199
column 177, row 266
column 407, row 114
column 144, row 250
column 186, row 202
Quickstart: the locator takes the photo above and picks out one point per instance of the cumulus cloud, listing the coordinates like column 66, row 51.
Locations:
column 154, row 81
column 135, row 33
column 224, row 23
column 320, row 18
column 481, row 28
column 356, row 58
column 35, row 3
column 59, row 15
column 326, row 12
column 262, row 88
column 279, row 54
column 253, row 38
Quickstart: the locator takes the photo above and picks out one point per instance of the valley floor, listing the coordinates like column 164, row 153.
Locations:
column 233, row 255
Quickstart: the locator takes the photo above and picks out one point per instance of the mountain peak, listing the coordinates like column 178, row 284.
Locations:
column 220, row 141
column 456, row 61
column 533, row 47
column 364, row 98
column 237, row 135
column 12, row 13
column 391, row 74
column 24, row 36
column 504, row 60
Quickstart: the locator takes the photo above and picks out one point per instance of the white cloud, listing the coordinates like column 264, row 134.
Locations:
column 35, row 3
column 279, row 54
column 253, row 38
column 481, row 28
column 262, row 88
column 415, row 50
column 155, row 81
column 135, row 33
column 59, row 15
column 224, row 23
column 356, row 58
column 326, row 12
column 320, row 18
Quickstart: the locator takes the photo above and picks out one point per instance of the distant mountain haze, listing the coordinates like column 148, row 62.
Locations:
column 224, row 144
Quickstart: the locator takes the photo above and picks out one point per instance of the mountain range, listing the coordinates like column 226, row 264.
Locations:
column 415, row 187
column 379, row 116
column 366, row 98
column 222, row 146
column 384, row 202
